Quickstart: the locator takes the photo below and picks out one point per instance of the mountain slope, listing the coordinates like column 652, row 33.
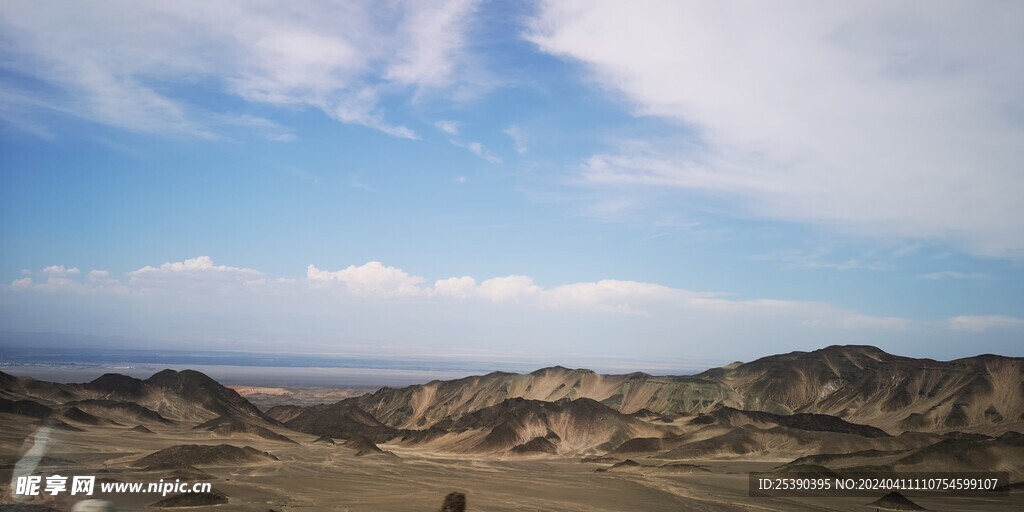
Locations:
column 533, row 426
column 859, row 384
column 188, row 396
column 342, row 420
column 423, row 405
column 865, row 385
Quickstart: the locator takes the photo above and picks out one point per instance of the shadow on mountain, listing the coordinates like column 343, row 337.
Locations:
column 537, row 445
column 363, row 446
column 812, row 422
column 182, row 456
column 525, row 426
column 120, row 409
column 958, row 452
column 342, row 420
column 324, row 440
column 227, row 426
column 25, row 407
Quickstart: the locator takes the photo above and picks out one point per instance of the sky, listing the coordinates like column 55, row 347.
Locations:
column 662, row 183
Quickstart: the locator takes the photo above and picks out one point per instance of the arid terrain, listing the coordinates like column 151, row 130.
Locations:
column 553, row 439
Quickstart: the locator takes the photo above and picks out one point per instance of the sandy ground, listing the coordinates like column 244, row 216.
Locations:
column 331, row 477
column 267, row 397
column 322, row 477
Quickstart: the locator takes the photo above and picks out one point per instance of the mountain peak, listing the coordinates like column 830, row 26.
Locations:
column 168, row 376
column 560, row 369
column 117, row 383
column 206, row 392
column 853, row 349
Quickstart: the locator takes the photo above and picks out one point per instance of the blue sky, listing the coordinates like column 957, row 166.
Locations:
column 567, row 182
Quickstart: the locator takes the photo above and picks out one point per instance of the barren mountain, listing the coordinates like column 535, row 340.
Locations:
column 227, row 426
column 951, row 452
column 863, row 384
column 206, row 393
column 363, row 447
column 803, row 421
column 183, row 456
column 167, row 396
column 120, row 410
column 726, row 442
column 646, row 436
column 342, row 420
column 859, row 384
column 423, row 405
column 284, row 413
column 79, row 416
column 26, row 407
column 534, row 426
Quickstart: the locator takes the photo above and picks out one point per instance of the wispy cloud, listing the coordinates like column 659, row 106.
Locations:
column 264, row 127
column 821, row 259
column 453, row 128
column 952, row 274
column 449, row 127
column 479, row 150
column 981, row 323
column 518, row 137
column 834, row 115
column 118, row 63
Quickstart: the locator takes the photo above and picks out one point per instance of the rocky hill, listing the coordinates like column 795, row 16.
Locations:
column 859, row 384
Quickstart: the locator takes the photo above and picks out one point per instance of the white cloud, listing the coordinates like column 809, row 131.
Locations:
column 60, row 270
column 95, row 275
column 456, row 287
column 374, row 304
column 508, row 289
column 611, row 295
column 479, row 150
column 117, row 62
column 879, row 118
column 372, row 279
column 608, row 295
column 449, row 127
column 54, row 282
column 194, row 279
column 981, row 323
column 429, row 40
column 265, row 127
column 22, row 284
column 518, row 138
column 806, row 313
column 452, row 128
column 197, row 264
column 195, row 272
column 952, row 274
column 376, row 280
column 821, row 258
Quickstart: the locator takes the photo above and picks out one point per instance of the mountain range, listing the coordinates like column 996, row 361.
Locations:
column 833, row 402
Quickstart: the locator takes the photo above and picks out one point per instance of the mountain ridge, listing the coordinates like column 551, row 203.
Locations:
column 861, row 384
